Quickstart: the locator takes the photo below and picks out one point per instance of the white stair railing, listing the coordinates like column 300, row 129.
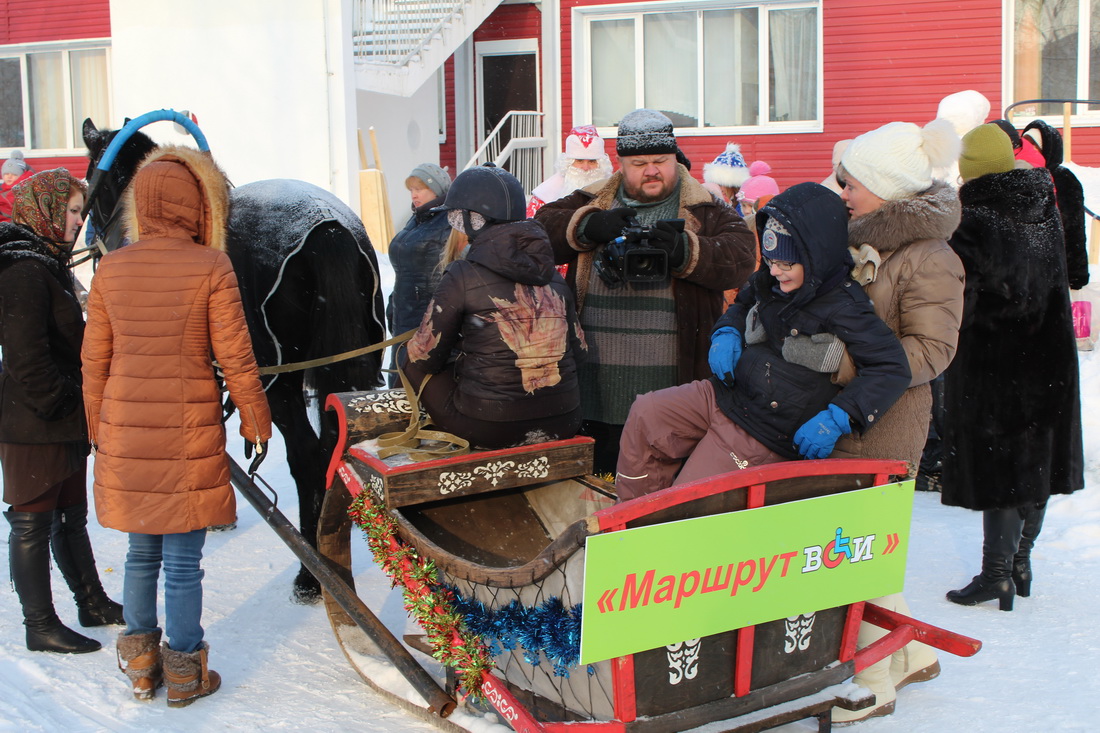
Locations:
column 522, row 155
column 392, row 32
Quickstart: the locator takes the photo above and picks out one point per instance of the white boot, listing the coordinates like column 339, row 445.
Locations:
column 875, row 678
column 914, row 662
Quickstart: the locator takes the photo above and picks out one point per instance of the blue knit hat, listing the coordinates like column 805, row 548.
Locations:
column 728, row 169
column 776, row 243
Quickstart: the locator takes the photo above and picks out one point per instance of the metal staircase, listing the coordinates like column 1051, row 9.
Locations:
column 399, row 44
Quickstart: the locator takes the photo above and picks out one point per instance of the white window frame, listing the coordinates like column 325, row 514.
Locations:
column 582, row 61
column 1081, row 115
column 21, row 51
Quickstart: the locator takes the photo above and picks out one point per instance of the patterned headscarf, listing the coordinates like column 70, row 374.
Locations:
column 40, row 204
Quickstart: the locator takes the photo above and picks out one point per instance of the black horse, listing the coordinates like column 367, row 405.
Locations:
column 310, row 286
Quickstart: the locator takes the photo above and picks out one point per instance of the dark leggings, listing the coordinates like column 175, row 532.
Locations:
column 438, row 400
column 69, row 492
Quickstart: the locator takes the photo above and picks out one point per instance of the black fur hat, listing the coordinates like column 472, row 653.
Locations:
column 1050, row 142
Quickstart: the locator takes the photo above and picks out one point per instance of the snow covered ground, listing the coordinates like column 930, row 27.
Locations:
column 283, row 671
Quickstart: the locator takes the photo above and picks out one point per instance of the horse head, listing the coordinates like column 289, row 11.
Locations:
column 103, row 201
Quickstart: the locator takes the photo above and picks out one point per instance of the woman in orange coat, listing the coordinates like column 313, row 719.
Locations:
column 158, row 308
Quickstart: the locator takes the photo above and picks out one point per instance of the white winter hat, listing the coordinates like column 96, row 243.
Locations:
column 584, row 144
column 965, row 110
column 896, row 160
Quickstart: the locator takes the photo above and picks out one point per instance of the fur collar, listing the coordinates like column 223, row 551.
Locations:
column 215, row 190
column 692, row 192
column 934, row 214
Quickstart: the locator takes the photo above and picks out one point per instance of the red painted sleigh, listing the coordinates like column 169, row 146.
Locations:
column 490, row 544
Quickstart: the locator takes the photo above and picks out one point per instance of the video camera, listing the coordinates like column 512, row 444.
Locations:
column 629, row 258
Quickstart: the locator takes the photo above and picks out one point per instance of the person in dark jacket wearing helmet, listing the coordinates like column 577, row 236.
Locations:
column 500, row 335
column 764, row 404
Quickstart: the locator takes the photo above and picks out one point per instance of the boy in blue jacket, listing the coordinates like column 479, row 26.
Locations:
column 772, row 397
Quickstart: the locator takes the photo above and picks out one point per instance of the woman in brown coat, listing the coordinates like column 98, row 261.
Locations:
column 901, row 219
column 158, row 308
column 43, row 441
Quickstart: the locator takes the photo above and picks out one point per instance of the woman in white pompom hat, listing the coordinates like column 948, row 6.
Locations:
column 901, row 218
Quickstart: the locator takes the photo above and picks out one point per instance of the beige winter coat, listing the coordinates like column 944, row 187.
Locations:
column 918, row 292
column 157, row 310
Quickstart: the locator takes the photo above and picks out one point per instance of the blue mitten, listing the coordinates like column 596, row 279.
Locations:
column 818, row 436
column 725, row 350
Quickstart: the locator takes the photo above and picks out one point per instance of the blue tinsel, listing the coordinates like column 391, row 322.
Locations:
column 549, row 628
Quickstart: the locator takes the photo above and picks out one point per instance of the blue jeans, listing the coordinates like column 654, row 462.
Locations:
column 181, row 555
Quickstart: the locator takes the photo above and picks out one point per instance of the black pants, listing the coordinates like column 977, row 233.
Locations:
column 438, row 399
column 606, row 450
column 931, row 460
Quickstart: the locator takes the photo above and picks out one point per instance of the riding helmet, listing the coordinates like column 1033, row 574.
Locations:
column 490, row 191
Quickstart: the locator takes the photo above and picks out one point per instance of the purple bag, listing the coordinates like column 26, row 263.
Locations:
column 1082, row 318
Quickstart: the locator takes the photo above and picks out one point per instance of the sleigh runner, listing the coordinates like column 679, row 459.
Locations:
column 490, row 549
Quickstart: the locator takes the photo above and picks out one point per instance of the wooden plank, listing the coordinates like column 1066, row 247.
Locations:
column 479, row 471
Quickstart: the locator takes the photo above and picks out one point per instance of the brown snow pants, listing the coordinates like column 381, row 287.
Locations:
column 670, row 425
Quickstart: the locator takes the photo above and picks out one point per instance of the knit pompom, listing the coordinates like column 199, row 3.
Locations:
column 759, row 168
column 941, row 143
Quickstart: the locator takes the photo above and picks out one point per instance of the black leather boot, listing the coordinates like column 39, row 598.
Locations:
column 29, row 554
column 72, row 549
column 1002, row 538
column 1021, row 564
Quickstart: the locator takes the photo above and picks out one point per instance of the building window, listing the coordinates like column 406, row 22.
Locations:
column 713, row 66
column 46, row 92
column 1056, row 54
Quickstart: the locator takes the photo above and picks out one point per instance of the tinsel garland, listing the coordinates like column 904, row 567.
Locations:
column 430, row 604
column 549, row 628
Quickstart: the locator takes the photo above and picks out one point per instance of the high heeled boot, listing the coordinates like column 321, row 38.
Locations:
column 29, row 556
column 1021, row 563
column 1001, row 528
column 72, row 550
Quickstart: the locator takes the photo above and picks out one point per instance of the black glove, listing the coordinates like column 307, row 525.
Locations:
column 601, row 227
column 669, row 235
column 261, row 454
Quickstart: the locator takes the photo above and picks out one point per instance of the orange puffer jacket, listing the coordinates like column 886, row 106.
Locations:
column 157, row 310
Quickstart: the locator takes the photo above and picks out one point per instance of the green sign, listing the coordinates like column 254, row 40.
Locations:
column 652, row 586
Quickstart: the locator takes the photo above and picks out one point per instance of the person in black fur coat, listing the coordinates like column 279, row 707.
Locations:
column 1012, row 394
column 1068, row 192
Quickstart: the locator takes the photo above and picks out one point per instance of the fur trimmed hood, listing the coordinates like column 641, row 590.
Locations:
column 933, row 214
column 172, row 205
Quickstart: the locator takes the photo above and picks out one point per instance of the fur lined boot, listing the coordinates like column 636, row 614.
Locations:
column 876, row 677
column 139, row 659
column 187, row 676
column 914, row 662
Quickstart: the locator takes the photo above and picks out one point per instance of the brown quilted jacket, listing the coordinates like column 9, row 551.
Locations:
column 157, row 310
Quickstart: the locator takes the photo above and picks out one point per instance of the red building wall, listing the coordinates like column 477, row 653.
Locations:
column 882, row 62
column 36, row 21
column 507, row 22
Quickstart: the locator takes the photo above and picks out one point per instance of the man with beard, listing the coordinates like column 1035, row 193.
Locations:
column 583, row 163
column 644, row 336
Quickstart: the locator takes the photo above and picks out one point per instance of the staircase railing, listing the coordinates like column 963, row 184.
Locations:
column 522, row 154
column 393, row 32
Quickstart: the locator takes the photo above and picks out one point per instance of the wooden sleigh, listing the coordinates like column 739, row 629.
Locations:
column 504, row 531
